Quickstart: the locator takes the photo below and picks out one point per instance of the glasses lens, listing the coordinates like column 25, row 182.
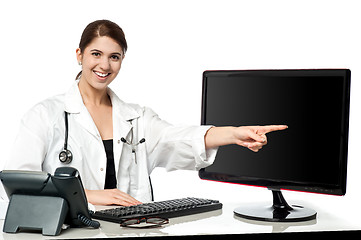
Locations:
column 157, row 220
column 130, row 222
column 144, row 222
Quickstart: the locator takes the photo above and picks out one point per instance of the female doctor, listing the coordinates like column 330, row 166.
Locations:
column 113, row 144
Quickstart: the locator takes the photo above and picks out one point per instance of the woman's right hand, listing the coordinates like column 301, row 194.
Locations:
column 110, row 197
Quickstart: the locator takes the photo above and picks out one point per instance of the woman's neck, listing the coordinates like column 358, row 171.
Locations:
column 93, row 96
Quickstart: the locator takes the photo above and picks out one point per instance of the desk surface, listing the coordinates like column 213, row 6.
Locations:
column 219, row 222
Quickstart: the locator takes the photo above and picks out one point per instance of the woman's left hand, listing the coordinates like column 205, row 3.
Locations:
column 110, row 197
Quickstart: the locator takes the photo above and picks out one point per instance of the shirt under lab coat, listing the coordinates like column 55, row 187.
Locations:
column 42, row 133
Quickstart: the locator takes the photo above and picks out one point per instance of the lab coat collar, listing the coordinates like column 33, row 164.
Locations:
column 73, row 101
column 74, row 104
column 122, row 109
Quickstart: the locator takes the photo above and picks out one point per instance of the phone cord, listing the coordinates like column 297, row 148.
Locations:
column 88, row 222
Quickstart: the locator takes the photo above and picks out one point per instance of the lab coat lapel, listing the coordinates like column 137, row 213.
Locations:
column 74, row 104
column 123, row 114
column 86, row 121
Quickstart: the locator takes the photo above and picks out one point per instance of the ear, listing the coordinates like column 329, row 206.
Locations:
column 79, row 56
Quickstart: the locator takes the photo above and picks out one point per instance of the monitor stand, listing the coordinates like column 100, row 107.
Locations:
column 280, row 211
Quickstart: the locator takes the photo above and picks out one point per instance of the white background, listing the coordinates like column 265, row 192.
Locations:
column 171, row 43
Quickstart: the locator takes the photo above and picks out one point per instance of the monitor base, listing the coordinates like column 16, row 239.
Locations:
column 280, row 211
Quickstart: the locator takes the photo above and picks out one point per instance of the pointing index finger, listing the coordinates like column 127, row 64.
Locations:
column 272, row 128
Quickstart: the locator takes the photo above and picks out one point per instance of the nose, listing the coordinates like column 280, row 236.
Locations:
column 104, row 64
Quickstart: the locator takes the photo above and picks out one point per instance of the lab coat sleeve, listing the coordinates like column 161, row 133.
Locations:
column 176, row 147
column 30, row 146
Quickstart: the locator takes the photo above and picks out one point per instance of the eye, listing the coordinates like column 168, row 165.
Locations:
column 115, row 57
column 96, row 54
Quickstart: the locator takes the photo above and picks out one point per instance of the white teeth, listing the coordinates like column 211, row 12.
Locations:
column 101, row 74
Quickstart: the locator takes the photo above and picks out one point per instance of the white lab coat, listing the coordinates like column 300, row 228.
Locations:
column 42, row 133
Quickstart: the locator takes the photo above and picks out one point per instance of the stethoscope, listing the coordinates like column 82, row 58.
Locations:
column 66, row 156
column 132, row 144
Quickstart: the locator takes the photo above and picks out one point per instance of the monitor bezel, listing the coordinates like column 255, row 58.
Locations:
column 332, row 189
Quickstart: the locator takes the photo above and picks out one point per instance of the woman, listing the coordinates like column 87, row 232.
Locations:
column 113, row 144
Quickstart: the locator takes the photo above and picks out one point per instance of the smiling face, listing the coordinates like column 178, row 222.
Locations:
column 101, row 61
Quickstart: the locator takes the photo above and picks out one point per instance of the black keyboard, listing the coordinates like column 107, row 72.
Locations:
column 167, row 209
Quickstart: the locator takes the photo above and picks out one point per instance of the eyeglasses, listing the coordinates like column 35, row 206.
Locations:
column 147, row 222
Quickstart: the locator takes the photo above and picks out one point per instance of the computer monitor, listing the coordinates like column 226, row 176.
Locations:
column 309, row 156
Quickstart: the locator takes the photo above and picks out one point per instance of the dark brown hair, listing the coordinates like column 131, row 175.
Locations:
column 101, row 28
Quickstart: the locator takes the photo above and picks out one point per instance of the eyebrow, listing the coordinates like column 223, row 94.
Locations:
column 96, row 50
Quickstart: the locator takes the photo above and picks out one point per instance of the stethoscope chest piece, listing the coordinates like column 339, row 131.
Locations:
column 65, row 156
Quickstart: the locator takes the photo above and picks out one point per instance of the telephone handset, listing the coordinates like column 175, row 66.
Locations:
column 40, row 198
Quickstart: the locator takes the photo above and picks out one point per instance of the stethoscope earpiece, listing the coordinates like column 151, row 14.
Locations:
column 132, row 144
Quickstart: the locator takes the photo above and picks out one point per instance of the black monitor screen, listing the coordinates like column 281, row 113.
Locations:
column 311, row 155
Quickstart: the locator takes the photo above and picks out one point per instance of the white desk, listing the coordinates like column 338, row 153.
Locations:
column 219, row 222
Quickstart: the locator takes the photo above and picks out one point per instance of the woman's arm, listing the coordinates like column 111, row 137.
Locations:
column 252, row 137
